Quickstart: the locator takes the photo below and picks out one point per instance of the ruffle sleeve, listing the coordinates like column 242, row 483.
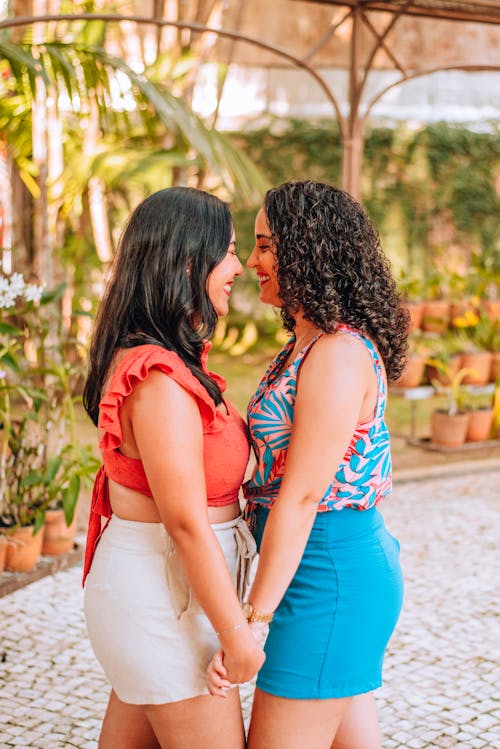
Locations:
column 133, row 369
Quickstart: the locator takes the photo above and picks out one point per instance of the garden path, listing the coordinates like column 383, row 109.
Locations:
column 442, row 670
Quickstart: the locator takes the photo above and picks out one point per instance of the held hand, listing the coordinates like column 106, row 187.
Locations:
column 243, row 656
column 217, row 684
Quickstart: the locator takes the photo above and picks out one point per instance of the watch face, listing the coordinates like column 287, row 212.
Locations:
column 247, row 610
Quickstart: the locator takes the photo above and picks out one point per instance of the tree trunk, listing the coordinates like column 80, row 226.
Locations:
column 98, row 208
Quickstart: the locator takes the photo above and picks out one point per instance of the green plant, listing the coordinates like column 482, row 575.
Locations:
column 460, row 286
column 478, row 331
column 410, row 286
column 42, row 464
column 421, row 344
column 496, row 406
column 436, row 285
column 455, row 392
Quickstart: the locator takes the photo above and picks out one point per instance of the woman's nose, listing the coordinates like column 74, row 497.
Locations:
column 240, row 268
column 252, row 258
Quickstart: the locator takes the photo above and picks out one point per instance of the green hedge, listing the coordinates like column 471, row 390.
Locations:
column 433, row 193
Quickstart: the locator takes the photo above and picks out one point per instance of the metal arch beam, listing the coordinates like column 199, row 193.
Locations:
column 485, row 11
column 351, row 127
column 429, row 71
column 360, row 10
column 353, row 144
column 196, row 27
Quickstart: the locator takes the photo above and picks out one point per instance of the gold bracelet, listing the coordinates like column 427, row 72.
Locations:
column 231, row 629
column 253, row 615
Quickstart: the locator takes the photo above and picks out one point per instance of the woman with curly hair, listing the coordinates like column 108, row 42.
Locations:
column 329, row 581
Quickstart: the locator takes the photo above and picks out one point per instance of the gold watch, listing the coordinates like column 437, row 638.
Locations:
column 252, row 615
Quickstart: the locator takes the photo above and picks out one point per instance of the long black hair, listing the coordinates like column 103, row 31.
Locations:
column 157, row 291
column 331, row 267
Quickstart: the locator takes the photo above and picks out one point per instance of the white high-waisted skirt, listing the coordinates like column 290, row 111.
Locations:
column 147, row 630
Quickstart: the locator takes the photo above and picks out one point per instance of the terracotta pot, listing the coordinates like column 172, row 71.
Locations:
column 447, row 430
column 480, row 362
column 479, row 427
column 58, row 537
column 416, row 311
column 492, row 307
column 454, row 365
column 436, row 316
column 3, row 552
column 413, row 373
column 23, row 549
column 495, row 366
column 458, row 309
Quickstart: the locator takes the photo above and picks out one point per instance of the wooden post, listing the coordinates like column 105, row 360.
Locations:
column 353, row 140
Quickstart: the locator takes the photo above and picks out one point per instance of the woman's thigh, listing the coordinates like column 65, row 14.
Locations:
column 279, row 722
column 126, row 726
column 206, row 721
column 359, row 728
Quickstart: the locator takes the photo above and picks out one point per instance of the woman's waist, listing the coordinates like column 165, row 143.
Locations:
column 132, row 505
column 347, row 488
column 329, row 528
column 152, row 537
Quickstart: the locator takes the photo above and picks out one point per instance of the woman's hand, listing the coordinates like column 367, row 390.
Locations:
column 243, row 656
column 238, row 662
column 216, row 676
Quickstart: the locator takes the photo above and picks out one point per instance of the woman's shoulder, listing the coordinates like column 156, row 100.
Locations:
column 139, row 366
column 144, row 357
column 343, row 344
column 337, row 357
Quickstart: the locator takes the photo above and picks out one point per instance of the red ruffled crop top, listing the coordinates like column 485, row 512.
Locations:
column 225, row 437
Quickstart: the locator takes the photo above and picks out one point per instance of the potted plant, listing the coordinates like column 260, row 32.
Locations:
column 495, row 356
column 437, row 304
column 41, row 462
column 410, row 287
column 478, row 334
column 461, row 291
column 496, row 410
column 413, row 372
column 449, row 424
column 446, row 349
column 480, row 409
column 489, row 291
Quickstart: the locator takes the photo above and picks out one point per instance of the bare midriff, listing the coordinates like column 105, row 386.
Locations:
column 129, row 504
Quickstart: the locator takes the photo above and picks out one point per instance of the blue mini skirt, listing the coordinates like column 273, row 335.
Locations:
column 330, row 631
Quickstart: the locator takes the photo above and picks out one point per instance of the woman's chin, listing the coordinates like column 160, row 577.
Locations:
column 222, row 309
column 271, row 299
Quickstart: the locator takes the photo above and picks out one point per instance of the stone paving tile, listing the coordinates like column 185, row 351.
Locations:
column 442, row 674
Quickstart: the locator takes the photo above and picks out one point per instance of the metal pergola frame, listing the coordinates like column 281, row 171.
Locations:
column 353, row 124
column 482, row 11
column 358, row 14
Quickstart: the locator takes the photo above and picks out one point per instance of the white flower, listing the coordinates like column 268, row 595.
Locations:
column 17, row 283
column 33, row 293
column 7, row 299
column 3, row 374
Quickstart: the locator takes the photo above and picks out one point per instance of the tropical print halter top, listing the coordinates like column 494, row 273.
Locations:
column 364, row 476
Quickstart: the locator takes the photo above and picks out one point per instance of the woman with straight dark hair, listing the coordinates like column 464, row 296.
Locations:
column 329, row 580
column 162, row 574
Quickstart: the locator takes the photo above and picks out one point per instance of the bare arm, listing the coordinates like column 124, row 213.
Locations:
column 336, row 389
column 167, row 427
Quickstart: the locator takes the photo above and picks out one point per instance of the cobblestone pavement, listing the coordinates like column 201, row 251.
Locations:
column 442, row 670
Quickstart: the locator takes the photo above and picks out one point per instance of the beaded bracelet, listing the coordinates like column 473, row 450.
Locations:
column 231, row 629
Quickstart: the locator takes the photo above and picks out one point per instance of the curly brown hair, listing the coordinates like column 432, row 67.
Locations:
column 331, row 267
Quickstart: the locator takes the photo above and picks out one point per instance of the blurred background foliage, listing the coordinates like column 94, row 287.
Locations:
column 433, row 194
column 85, row 135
